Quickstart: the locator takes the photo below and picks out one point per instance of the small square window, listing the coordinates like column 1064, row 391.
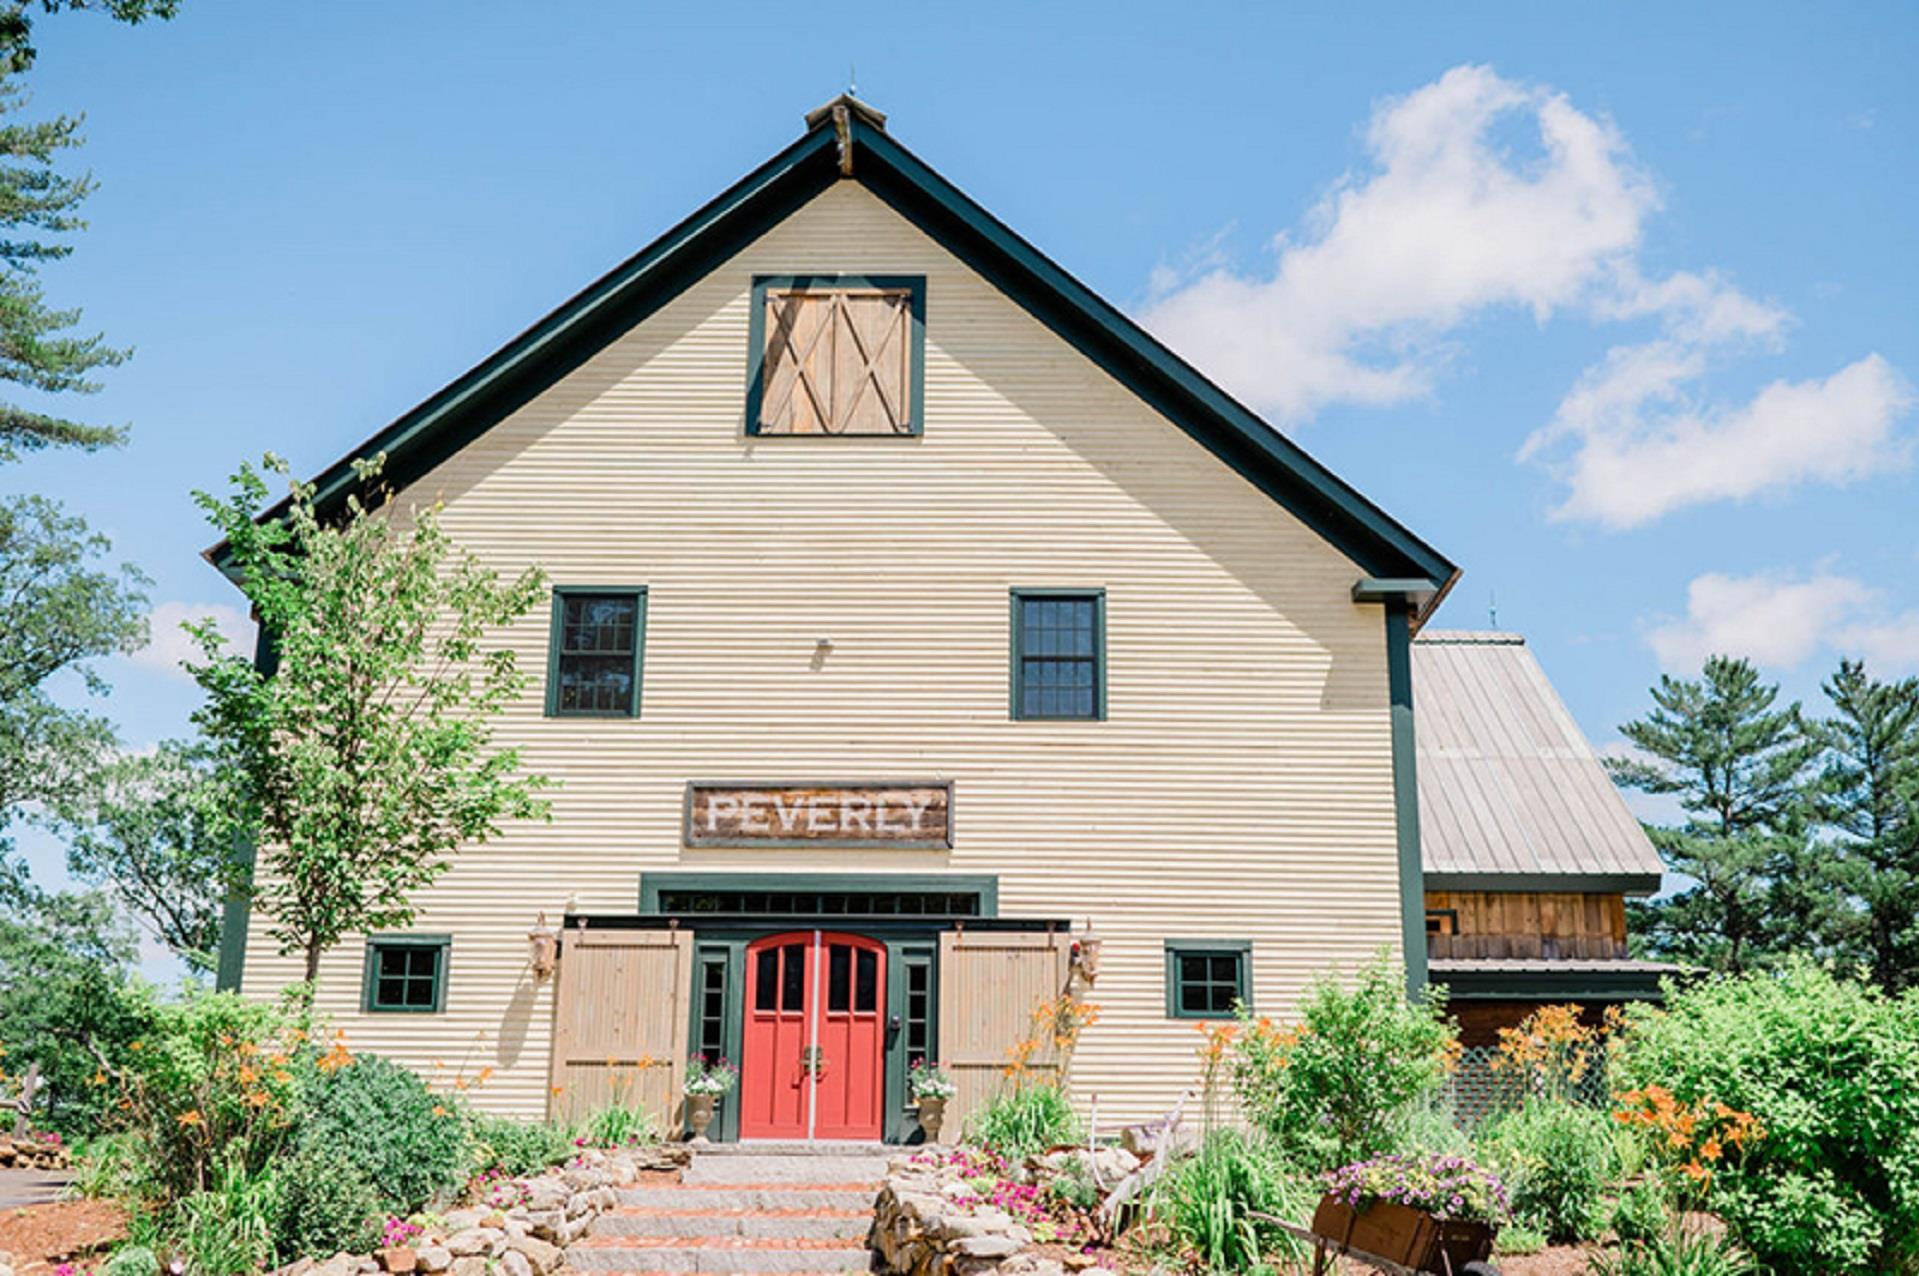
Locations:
column 594, row 667
column 1059, row 654
column 1207, row 978
column 406, row 974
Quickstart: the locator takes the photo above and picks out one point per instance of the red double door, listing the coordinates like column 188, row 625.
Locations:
column 815, row 1035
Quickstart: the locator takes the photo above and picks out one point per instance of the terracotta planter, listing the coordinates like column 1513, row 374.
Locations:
column 699, row 1115
column 1412, row 1238
column 932, row 1116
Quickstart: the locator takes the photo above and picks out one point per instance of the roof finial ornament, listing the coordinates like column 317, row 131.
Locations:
column 1492, row 610
column 852, row 80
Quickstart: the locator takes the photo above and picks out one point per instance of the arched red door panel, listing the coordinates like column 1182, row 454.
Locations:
column 815, row 1032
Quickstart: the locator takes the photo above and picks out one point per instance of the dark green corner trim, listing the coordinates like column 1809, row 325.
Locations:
column 1243, row 948
column 1013, row 650
column 237, row 911
column 560, row 593
column 374, row 943
column 985, row 885
column 915, row 285
column 1412, row 886
column 1534, row 883
column 563, row 340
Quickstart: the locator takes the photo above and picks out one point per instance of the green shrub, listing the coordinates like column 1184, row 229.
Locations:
column 1024, row 1120
column 230, row 1228
column 1516, row 1240
column 411, row 1146
column 618, row 1126
column 1675, row 1252
column 1830, row 1068
column 1640, row 1213
column 1557, row 1159
column 1429, row 1128
column 1207, row 1201
column 327, row 1205
column 517, row 1147
column 1333, row 1088
column 1073, row 1186
column 132, row 1260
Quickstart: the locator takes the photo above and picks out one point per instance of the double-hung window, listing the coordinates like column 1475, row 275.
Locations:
column 1059, row 654
column 594, row 670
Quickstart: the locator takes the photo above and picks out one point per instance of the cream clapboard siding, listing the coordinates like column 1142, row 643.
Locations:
column 1241, row 787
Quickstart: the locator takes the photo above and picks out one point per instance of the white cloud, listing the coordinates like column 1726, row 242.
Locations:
column 1781, row 621
column 1451, row 223
column 169, row 645
column 1453, row 218
column 1641, row 448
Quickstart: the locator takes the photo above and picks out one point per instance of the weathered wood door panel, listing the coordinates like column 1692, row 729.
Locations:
column 991, row 984
column 620, row 1023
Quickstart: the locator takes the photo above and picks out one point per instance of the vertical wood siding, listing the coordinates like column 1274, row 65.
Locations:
column 1241, row 786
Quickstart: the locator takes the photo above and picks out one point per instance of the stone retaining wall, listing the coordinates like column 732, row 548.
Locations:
column 520, row 1229
column 929, row 1221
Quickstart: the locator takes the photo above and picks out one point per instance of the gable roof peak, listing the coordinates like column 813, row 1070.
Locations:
column 866, row 113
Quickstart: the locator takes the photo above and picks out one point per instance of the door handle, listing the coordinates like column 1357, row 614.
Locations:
column 812, row 1062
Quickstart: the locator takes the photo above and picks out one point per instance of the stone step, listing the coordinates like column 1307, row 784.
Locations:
column 773, row 1167
column 714, row 1254
column 757, row 1224
column 798, row 1147
column 753, row 1196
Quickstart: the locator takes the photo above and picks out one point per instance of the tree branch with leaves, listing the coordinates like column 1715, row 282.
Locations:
column 362, row 758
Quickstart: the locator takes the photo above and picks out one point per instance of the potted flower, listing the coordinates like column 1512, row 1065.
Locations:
column 705, row 1084
column 1430, row 1213
column 930, row 1088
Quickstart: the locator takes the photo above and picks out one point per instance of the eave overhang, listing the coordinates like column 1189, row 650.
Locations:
column 1382, row 548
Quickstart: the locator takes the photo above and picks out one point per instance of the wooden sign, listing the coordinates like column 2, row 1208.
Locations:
column 897, row 815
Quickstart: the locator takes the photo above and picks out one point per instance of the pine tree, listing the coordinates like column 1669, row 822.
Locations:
column 1737, row 767
column 1870, row 796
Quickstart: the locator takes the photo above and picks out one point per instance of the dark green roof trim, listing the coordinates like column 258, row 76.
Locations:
column 1416, row 590
column 566, row 338
column 1555, row 986
column 1564, row 883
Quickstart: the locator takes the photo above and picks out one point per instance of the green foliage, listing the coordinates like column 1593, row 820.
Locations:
column 1675, row 1252
column 1073, row 1186
column 1516, row 1240
column 327, row 1205
column 517, row 1147
column 132, row 1260
column 65, row 991
column 1830, row 1068
column 1023, row 1120
column 16, row 22
column 618, row 1126
column 409, row 1145
column 231, row 1227
column 1207, row 1202
column 1738, row 768
column 151, row 832
column 1557, row 1159
column 1869, row 795
column 1640, row 1213
column 366, row 759
column 1429, row 1129
column 1332, row 1089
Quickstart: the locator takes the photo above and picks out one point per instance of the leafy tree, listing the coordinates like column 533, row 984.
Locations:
column 364, row 759
column 58, row 608
column 65, row 992
column 1738, row 768
column 16, row 22
column 1870, row 797
column 153, row 833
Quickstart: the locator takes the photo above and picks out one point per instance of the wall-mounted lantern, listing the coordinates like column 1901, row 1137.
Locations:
column 1086, row 946
column 543, row 949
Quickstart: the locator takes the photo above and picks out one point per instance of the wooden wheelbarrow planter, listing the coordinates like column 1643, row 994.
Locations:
column 1394, row 1239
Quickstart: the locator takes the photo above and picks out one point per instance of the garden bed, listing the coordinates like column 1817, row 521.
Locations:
column 38, row 1238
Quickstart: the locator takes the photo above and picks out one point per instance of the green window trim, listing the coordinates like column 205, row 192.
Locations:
column 1240, row 950
column 370, row 979
column 1019, row 596
column 556, row 639
column 914, row 285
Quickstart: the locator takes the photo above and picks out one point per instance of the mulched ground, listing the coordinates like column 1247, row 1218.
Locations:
column 42, row 1236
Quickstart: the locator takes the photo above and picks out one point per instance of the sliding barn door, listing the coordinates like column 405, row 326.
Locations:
column 991, row 983
column 620, row 1023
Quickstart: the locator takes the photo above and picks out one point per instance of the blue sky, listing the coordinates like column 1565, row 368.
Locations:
column 1672, row 245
